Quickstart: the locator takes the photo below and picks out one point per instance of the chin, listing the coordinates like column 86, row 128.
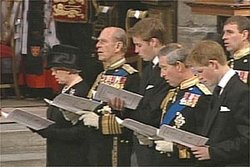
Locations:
column 172, row 84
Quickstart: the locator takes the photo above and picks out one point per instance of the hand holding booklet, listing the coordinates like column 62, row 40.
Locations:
column 73, row 103
column 28, row 119
column 106, row 92
column 166, row 132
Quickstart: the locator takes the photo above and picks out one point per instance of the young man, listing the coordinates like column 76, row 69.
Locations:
column 110, row 144
column 148, row 35
column 66, row 143
column 184, row 106
column 227, row 121
column 237, row 41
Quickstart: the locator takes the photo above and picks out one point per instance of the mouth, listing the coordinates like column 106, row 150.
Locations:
column 167, row 81
column 99, row 52
column 226, row 44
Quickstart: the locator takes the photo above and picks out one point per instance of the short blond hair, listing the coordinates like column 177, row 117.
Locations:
column 204, row 51
column 148, row 28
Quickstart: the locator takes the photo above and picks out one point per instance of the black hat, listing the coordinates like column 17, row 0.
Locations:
column 64, row 56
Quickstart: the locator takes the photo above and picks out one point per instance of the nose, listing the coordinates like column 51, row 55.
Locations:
column 162, row 74
column 53, row 73
column 97, row 44
column 223, row 36
column 136, row 50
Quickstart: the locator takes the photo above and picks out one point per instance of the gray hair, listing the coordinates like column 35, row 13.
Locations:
column 174, row 52
column 121, row 36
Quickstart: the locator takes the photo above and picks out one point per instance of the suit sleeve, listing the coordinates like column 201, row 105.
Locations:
column 149, row 111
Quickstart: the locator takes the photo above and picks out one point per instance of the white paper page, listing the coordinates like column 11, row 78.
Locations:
column 105, row 93
column 73, row 103
column 141, row 128
column 27, row 119
column 181, row 137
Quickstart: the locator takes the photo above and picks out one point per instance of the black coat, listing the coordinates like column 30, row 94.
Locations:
column 227, row 126
column 66, row 143
column 154, row 89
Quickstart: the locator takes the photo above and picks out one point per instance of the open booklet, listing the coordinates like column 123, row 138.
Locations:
column 106, row 92
column 182, row 137
column 73, row 103
column 141, row 128
column 165, row 132
column 27, row 119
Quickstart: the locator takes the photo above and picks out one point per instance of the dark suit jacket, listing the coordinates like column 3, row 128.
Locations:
column 154, row 89
column 227, row 126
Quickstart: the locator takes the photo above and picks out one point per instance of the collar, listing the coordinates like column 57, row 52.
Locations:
column 116, row 64
column 155, row 61
column 74, row 82
column 224, row 80
column 241, row 53
column 189, row 82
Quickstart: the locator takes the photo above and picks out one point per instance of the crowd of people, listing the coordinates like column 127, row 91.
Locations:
column 199, row 90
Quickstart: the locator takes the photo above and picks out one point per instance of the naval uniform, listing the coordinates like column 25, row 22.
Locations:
column 184, row 107
column 240, row 63
column 111, row 144
column 66, row 143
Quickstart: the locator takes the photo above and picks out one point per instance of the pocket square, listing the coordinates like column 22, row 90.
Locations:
column 149, row 87
column 224, row 109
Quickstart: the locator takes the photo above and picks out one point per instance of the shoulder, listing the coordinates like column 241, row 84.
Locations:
column 122, row 71
column 129, row 69
column 203, row 88
column 81, row 89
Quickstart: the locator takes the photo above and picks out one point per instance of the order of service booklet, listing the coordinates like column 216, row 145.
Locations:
column 181, row 136
column 73, row 103
column 166, row 132
column 28, row 119
column 141, row 128
column 106, row 92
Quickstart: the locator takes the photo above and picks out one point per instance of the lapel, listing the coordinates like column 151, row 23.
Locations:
column 150, row 77
column 213, row 112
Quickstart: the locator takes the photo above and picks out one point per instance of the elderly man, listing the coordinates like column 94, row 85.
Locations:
column 184, row 106
column 110, row 144
column 237, row 41
column 227, row 121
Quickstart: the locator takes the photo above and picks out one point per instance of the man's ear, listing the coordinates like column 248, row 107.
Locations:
column 118, row 45
column 154, row 41
column 245, row 34
column 214, row 64
column 179, row 65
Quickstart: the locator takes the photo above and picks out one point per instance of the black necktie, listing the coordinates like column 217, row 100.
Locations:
column 216, row 91
column 216, row 94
